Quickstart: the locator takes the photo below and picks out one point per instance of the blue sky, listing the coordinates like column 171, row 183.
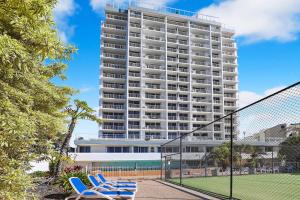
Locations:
column 267, row 38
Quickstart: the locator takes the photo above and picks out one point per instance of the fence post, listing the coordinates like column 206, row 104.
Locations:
column 231, row 154
column 165, row 168
column 272, row 160
column 180, row 160
column 161, row 162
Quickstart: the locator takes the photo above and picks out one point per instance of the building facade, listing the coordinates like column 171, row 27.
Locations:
column 164, row 74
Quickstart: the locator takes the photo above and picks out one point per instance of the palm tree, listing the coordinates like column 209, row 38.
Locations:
column 80, row 110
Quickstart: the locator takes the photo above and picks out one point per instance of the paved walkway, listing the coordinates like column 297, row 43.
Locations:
column 152, row 190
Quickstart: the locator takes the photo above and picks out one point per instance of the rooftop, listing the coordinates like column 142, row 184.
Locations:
column 148, row 6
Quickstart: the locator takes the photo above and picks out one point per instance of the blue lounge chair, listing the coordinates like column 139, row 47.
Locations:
column 104, row 181
column 84, row 192
column 97, row 185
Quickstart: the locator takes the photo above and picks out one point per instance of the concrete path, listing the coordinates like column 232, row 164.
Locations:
column 152, row 190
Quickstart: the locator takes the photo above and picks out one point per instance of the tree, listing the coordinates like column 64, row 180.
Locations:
column 221, row 155
column 31, row 55
column 290, row 149
column 80, row 111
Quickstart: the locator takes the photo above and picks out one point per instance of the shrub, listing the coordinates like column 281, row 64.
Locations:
column 63, row 180
column 39, row 174
column 75, row 168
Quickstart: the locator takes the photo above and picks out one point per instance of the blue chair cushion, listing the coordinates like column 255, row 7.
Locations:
column 121, row 193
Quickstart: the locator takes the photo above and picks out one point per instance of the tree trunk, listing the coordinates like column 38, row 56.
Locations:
column 63, row 148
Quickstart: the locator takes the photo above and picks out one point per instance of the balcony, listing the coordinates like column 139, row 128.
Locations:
column 204, row 37
column 111, row 55
column 134, row 105
column 113, row 127
column 172, row 107
column 154, row 67
column 113, row 116
column 113, row 85
column 134, row 85
column 114, row 96
column 204, row 28
column 183, row 128
column 152, row 28
column 133, row 34
column 155, row 19
column 112, row 65
column 172, row 118
column 153, row 96
column 130, row 126
column 118, row 17
column 183, row 118
column 153, row 107
column 113, row 106
column 152, row 76
column 135, row 25
column 177, row 23
column 112, row 75
column 134, row 44
column 133, row 74
column 152, row 127
column 200, row 63
column 200, row 90
column 200, row 119
column 133, row 116
column 151, row 86
column 154, row 47
column 183, row 79
column 134, row 95
column 183, row 99
column 113, row 136
column 112, row 26
column 115, row 46
column 155, row 137
column 172, row 127
column 154, row 38
column 134, row 54
column 154, row 57
column 114, row 36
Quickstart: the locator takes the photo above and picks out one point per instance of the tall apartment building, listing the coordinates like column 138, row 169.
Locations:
column 163, row 74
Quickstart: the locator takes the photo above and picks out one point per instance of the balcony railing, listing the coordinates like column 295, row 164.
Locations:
column 113, row 127
column 122, row 37
column 113, row 106
column 114, row 26
column 114, row 96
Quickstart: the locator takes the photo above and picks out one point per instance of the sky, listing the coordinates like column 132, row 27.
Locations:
column 267, row 35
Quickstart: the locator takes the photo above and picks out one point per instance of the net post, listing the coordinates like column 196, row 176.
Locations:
column 231, row 155
column 161, row 162
column 180, row 161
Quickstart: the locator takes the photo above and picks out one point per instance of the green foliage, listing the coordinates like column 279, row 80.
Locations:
column 63, row 180
column 81, row 110
column 290, row 149
column 39, row 174
column 30, row 103
column 221, row 155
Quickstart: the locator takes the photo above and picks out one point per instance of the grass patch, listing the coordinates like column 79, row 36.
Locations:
column 250, row 187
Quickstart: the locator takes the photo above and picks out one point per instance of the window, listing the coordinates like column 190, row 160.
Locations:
column 159, row 149
column 117, row 149
column 151, row 149
column 85, row 149
column 140, row 149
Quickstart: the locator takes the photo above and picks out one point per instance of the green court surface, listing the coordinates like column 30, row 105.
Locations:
column 251, row 187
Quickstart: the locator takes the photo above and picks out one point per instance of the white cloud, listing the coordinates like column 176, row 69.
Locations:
column 63, row 10
column 98, row 5
column 259, row 19
column 86, row 89
column 248, row 97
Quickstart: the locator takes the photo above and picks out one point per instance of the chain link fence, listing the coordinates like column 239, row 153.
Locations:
column 252, row 153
